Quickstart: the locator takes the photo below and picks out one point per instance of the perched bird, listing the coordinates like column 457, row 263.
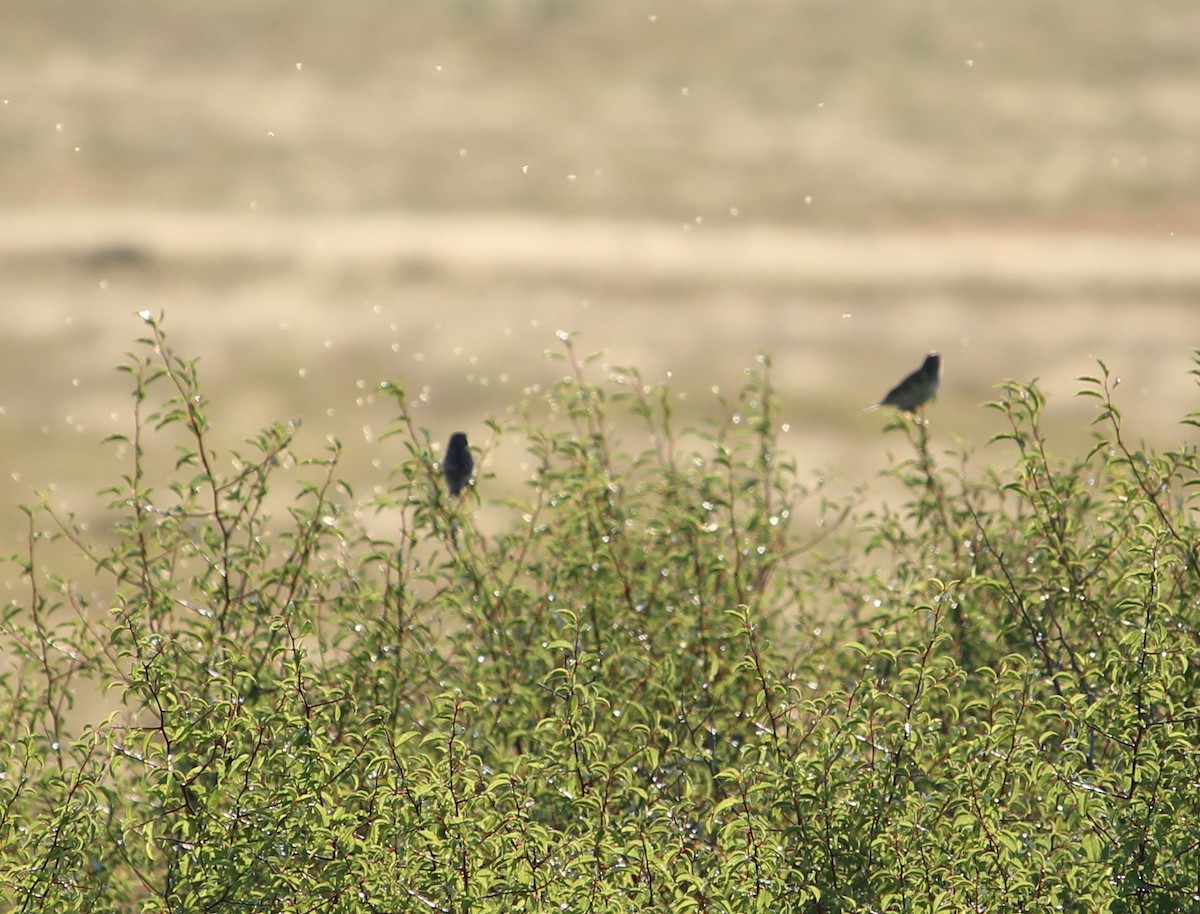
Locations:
column 918, row 388
column 458, row 464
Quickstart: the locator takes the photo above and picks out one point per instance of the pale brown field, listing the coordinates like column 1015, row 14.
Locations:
column 322, row 196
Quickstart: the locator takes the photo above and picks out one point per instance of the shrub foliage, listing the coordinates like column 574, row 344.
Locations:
column 646, row 691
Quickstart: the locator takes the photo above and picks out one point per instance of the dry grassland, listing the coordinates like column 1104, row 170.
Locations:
column 322, row 196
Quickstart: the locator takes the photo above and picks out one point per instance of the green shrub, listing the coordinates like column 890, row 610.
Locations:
column 645, row 691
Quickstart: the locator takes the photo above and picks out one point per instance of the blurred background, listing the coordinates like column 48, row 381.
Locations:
column 321, row 196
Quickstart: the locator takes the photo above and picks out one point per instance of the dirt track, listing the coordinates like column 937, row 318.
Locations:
column 645, row 251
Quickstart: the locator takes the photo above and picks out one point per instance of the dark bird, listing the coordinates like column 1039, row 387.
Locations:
column 918, row 388
column 458, row 464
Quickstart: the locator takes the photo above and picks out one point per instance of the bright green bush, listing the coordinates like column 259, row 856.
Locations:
column 645, row 692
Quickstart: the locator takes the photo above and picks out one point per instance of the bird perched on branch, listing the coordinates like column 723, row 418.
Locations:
column 458, row 464
column 917, row 389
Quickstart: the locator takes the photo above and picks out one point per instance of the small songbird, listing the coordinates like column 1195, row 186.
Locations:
column 918, row 388
column 458, row 464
